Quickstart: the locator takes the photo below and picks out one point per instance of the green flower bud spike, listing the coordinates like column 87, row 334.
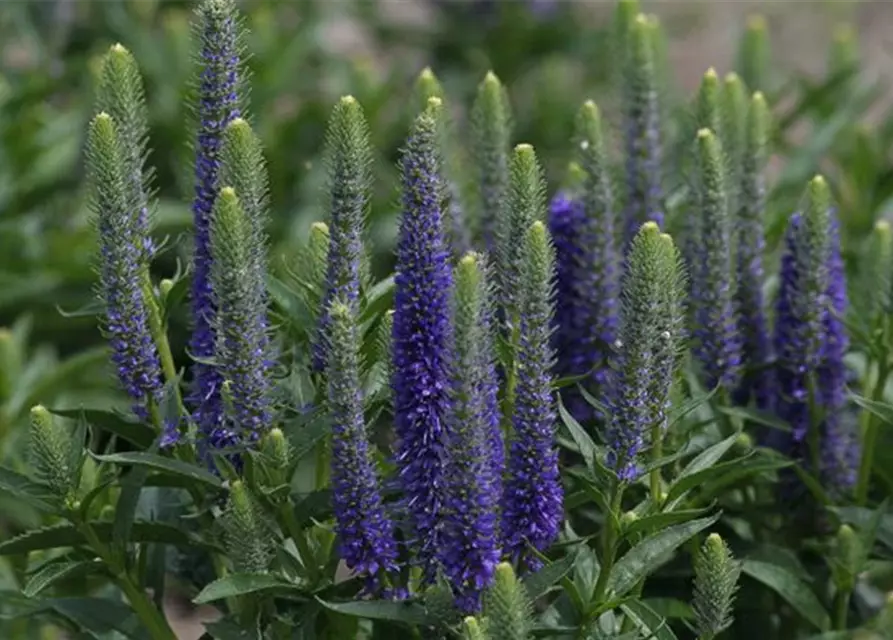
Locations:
column 507, row 607
column 754, row 56
column 733, row 107
column 847, row 561
column 276, row 454
column 473, row 630
column 526, row 205
column 247, row 533
column 716, row 581
column 427, row 87
column 707, row 107
column 874, row 294
column 55, row 458
column 491, row 129
column 843, row 56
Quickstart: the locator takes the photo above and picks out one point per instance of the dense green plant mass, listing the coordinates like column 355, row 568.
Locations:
column 650, row 403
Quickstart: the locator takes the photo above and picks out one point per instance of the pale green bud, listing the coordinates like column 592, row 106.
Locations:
column 716, row 581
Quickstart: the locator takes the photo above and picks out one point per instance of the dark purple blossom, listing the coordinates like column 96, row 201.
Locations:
column 717, row 342
column 122, row 267
column 840, row 452
column 238, row 279
column 218, row 103
column 348, row 160
column 651, row 331
column 475, row 449
column 365, row 533
column 422, row 337
column 533, row 499
column 752, row 325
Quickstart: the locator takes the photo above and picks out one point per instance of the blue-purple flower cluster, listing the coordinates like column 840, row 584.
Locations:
column 422, row 337
column 122, row 267
column 365, row 532
column 218, row 103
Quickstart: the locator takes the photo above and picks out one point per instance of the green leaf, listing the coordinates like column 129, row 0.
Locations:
column 581, row 438
column 791, row 588
column 410, row 613
column 646, row 556
column 125, row 508
column 882, row 410
column 163, row 465
column 708, row 457
column 36, row 495
column 228, row 629
column 656, row 521
column 305, row 439
column 648, row 620
column 99, row 616
column 66, row 535
column 135, row 433
column 54, row 571
column 679, row 414
column 377, row 299
column 762, row 418
column 539, row 583
column 725, row 473
column 240, row 584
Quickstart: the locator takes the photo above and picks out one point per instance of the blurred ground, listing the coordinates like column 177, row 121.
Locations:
column 702, row 34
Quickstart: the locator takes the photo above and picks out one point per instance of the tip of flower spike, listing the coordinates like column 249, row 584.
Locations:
column 319, row 227
column 714, row 539
column 732, row 78
column 818, row 182
column 492, row 79
column 642, row 20
column 710, row 75
column 759, row 98
column 39, row 412
column 592, row 108
column 434, row 103
column 102, row 116
column 756, row 22
column 427, row 75
column 166, row 286
column 882, row 226
column 228, row 193
column 704, row 134
column 118, row 48
column 505, row 573
column 649, row 227
column 844, row 33
column 469, row 259
column 348, row 100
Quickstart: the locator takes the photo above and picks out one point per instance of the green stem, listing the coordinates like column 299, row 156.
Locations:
column 145, row 609
column 656, row 453
column 158, row 330
column 869, row 443
column 841, row 609
column 609, row 553
column 293, row 529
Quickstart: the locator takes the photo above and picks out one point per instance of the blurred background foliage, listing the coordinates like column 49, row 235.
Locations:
column 832, row 115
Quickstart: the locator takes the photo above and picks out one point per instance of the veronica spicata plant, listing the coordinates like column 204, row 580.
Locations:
column 553, row 428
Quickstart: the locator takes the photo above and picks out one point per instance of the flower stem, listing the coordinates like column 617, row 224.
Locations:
column 869, row 443
column 656, row 453
column 841, row 609
column 608, row 555
column 145, row 609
